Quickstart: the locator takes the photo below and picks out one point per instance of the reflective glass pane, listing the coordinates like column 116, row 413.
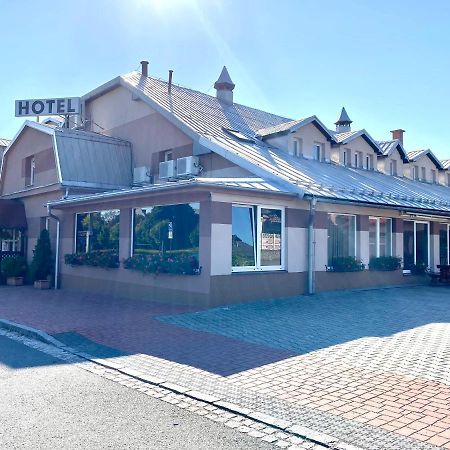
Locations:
column 372, row 237
column 243, row 237
column 385, row 237
column 341, row 236
column 408, row 244
column 271, row 237
column 443, row 244
column 422, row 243
column 167, row 229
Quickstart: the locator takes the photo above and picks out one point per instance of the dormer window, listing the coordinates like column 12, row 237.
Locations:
column 424, row 174
column 416, row 173
column 369, row 163
column 297, row 147
column 433, row 176
column 317, row 152
column 346, row 157
column 29, row 170
column 393, row 168
column 356, row 160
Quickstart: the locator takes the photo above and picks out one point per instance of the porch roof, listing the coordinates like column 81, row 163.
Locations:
column 12, row 214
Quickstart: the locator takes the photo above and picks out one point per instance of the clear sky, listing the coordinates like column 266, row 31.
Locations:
column 387, row 62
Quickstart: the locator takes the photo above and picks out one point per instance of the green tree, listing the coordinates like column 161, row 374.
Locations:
column 42, row 264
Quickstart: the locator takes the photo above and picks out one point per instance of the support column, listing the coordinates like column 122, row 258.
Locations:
column 125, row 233
column 362, row 239
column 435, row 228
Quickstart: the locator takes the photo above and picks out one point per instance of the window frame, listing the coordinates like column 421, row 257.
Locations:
column 377, row 236
column 257, row 240
column 356, row 234
column 415, row 240
column 297, row 147
column 447, row 236
column 318, row 147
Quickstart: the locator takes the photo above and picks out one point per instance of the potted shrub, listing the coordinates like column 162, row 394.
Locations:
column 14, row 269
column 41, row 267
column 346, row 264
column 385, row 263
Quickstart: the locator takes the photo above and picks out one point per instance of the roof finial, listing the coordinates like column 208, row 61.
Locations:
column 344, row 122
column 224, row 87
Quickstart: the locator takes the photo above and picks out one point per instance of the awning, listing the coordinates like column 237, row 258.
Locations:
column 12, row 214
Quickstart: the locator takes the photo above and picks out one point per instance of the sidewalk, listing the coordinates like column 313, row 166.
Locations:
column 382, row 380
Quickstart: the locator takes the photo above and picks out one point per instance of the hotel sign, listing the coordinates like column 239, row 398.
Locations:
column 48, row 107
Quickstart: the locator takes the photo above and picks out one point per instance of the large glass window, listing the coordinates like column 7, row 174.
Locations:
column 11, row 240
column 97, row 231
column 380, row 236
column 416, row 243
column 444, row 239
column 257, row 238
column 166, row 229
column 341, row 236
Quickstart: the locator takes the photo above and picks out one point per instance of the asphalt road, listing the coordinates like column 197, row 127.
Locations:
column 48, row 405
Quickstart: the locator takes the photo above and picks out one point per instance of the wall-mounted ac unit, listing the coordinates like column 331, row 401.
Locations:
column 188, row 166
column 167, row 170
column 141, row 175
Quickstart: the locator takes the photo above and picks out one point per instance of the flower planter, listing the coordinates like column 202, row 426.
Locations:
column 42, row 284
column 14, row 281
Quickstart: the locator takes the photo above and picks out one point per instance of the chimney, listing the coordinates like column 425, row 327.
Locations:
column 344, row 122
column 144, row 68
column 224, row 87
column 398, row 134
column 169, row 87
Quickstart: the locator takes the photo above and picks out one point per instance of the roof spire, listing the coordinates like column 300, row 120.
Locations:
column 343, row 124
column 224, row 87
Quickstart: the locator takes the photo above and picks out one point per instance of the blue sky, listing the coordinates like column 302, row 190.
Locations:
column 387, row 62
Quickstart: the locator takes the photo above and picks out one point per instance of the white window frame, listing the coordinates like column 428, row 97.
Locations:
column 433, row 176
column 393, row 167
column 423, row 175
column 344, row 157
column 257, row 242
column 32, row 169
column 368, row 163
column 447, row 230
column 416, row 173
column 168, row 153
column 297, row 147
column 318, row 151
column 415, row 241
column 16, row 241
column 377, row 235
column 356, row 160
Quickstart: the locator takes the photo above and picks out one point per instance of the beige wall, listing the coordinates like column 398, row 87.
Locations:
column 357, row 145
column 423, row 162
column 384, row 163
column 30, row 143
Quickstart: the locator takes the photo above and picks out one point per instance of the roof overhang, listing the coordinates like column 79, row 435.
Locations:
column 364, row 135
column 431, row 156
column 12, row 215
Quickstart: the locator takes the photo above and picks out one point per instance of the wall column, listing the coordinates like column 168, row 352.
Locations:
column 397, row 238
column 125, row 233
column 362, row 239
column 435, row 228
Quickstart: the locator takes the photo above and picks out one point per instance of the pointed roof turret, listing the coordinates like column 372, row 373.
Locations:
column 224, row 81
column 224, row 87
column 344, row 122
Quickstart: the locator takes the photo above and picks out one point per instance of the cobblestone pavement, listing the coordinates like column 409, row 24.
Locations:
column 369, row 368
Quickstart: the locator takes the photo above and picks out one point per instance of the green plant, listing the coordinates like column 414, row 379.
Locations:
column 14, row 266
column 385, row 263
column 107, row 259
column 419, row 268
column 346, row 264
column 181, row 264
column 42, row 264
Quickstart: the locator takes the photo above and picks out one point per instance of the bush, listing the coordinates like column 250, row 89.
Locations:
column 181, row 264
column 346, row 264
column 14, row 266
column 42, row 264
column 418, row 269
column 385, row 263
column 108, row 259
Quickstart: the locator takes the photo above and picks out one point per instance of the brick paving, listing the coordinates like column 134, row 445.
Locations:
column 370, row 368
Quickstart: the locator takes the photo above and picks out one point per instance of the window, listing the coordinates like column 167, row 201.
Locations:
column 393, row 167
column 29, row 171
column 172, row 229
column 380, row 236
column 317, row 152
column 357, row 159
column 341, row 236
column 433, row 176
column 424, row 174
column 11, row 240
column 257, row 238
column 344, row 157
column 448, row 179
column 297, row 147
column 369, row 163
column 168, row 155
column 97, row 231
column 416, row 248
column 416, row 172
column 444, row 241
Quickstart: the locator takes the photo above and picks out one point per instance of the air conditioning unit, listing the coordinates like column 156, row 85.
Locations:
column 188, row 166
column 141, row 175
column 167, row 170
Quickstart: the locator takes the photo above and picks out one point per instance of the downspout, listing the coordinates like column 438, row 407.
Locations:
column 312, row 216
column 58, row 224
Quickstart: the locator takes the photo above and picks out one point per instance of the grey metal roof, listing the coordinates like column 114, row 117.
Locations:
column 204, row 118
column 446, row 164
column 4, row 142
column 417, row 154
column 92, row 160
column 348, row 136
column 388, row 147
column 343, row 118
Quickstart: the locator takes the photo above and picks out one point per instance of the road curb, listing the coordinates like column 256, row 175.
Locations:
column 292, row 429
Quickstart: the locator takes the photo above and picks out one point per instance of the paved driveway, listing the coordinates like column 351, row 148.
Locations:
column 371, row 367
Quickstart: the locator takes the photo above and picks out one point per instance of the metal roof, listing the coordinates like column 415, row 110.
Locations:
column 204, row 118
column 388, row 147
column 417, row 154
column 4, row 142
column 93, row 160
column 348, row 136
column 446, row 164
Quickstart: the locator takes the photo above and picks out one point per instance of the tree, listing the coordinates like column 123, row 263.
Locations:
column 42, row 263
